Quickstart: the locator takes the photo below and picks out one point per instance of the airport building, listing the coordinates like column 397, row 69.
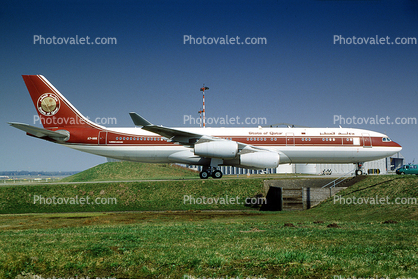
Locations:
column 381, row 166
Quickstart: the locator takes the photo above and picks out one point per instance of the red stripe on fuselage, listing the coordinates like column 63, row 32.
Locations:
column 91, row 136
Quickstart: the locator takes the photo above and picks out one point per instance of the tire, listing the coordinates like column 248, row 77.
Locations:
column 359, row 172
column 203, row 175
column 217, row 174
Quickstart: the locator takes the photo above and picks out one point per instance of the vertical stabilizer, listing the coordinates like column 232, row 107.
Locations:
column 53, row 109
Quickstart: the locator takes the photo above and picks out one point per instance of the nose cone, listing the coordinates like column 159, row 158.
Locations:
column 395, row 147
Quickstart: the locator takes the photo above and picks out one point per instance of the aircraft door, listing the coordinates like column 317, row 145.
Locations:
column 290, row 139
column 367, row 142
column 102, row 137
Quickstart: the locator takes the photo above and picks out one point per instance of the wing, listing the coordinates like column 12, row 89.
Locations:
column 186, row 138
column 174, row 135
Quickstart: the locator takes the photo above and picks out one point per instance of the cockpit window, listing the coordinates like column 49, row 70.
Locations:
column 386, row 139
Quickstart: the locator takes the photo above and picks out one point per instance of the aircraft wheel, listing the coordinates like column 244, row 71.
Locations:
column 217, row 174
column 359, row 172
column 203, row 175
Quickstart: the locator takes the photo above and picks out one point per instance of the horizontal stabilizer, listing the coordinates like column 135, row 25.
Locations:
column 40, row 132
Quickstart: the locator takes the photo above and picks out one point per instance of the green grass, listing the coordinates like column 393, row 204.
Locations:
column 170, row 195
column 129, row 196
column 246, row 246
column 131, row 171
column 215, row 244
column 389, row 188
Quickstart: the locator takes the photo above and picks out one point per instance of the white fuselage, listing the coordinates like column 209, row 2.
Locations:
column 294, row 145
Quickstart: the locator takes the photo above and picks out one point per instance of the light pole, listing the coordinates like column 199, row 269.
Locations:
column 200, row 115
column 203, row 111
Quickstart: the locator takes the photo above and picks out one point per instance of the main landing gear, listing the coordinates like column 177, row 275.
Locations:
column 204, row 174
column 211, row 170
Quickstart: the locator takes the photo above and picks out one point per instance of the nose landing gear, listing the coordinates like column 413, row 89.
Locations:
column 359, row 169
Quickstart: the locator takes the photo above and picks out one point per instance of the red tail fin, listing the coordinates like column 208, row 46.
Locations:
column 53, row 109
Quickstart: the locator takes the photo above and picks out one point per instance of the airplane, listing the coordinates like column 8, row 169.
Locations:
column 251, row 148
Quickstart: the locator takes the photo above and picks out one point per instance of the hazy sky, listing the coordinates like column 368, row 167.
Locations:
column 298, row 76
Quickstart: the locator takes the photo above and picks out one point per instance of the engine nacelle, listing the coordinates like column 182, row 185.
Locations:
column 260, row 160
column 217, row 149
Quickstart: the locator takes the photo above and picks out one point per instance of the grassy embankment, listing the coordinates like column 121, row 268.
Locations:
column 131, row 171
column 128, row 196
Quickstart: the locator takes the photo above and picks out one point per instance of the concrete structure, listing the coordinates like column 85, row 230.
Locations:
column 299, row 194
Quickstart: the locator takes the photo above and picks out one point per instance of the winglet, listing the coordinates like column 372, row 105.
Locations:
column 139, row 120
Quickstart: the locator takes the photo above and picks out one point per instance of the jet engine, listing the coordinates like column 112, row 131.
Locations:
column 217, row 149
column 260, row 160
